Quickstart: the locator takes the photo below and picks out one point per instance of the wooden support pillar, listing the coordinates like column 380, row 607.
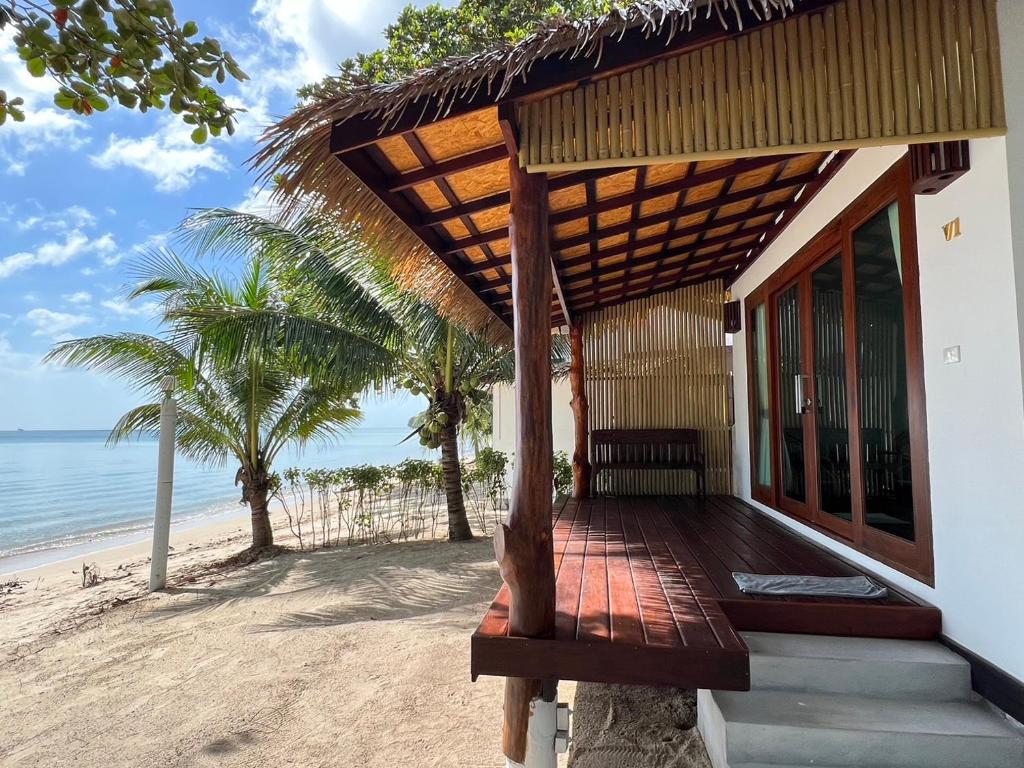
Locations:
column 523, row 545
column 581, row 413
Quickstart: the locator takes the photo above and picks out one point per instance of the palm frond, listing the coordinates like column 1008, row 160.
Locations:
column 319, row 348
column 140, row 360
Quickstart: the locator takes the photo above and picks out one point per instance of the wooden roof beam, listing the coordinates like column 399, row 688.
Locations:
column 685, row 211
column 645, row 221
column 615, row 250
column 825, row 174
column 499, row 199
column 667, row 282
column 446, row 167
column 638, row 266
column 367, row 165
column 666, row 188
column 678, row 234
column 495, row 284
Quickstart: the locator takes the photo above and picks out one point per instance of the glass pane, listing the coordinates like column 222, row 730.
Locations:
column 762, row 420
column 790, row 368
column 830, row 380
column 881, row 343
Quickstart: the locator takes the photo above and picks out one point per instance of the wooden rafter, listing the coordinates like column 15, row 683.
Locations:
column 423, row 155
column 676, row 186
column 498, row 199
column 372, row 166
column 833, row 165
column 746, row 195
column 432, row 171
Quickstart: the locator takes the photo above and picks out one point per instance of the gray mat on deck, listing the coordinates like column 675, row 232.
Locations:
column 810, row 586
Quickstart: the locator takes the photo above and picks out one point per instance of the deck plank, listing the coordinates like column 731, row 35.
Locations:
column 657, row 618
column 645, row 595
column 594, row 619
column 569, row 571
column 624, row 610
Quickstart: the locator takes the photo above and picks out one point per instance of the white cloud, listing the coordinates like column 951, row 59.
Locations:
column 54, row 324
column 72, row 217
column 323, row 31
column 45, row 127
column 257, row 201
column 116, row 256
column 78, row 297
column 12, row 361
column 126, row 309
column 169, row 156
column 55, row 253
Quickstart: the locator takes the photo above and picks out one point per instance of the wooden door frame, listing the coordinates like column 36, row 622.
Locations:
column 915, row 558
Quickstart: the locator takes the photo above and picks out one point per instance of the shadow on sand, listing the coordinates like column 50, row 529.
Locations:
column 341, row 585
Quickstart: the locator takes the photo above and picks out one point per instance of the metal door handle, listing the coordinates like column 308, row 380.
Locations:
column 802, row 402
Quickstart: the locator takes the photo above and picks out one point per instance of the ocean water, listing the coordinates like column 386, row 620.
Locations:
column 61, row 490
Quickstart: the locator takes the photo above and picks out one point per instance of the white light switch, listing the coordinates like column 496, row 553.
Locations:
column 951, row 355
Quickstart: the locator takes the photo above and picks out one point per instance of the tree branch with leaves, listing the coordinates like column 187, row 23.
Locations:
column 132, row 52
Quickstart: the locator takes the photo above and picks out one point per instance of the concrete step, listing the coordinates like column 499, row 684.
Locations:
column 818, row 729
column 890, row 669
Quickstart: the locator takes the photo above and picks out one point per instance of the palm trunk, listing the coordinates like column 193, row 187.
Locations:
column 458, row 523
column 262, row 533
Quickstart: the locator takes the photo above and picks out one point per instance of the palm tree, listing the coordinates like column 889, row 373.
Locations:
column 448, row 365
column 453, row 369
column 236, row 400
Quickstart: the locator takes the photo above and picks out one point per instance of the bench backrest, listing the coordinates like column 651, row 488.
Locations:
column 645, row 445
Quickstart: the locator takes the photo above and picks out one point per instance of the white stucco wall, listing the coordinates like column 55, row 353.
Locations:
column 563, row 429
column 975, row 408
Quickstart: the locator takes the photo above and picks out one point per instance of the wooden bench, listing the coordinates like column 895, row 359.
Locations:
column 647, row 449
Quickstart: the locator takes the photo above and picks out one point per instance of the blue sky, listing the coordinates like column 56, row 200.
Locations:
column 81, row 197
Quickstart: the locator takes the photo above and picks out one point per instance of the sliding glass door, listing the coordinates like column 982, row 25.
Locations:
column 836, row 357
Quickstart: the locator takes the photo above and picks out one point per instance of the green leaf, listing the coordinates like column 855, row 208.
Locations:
column 98, row 103
column 189, row 28
column 199, row 135
column 37, row 66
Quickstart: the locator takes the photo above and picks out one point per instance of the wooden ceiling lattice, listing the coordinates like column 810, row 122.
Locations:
column 615, row 233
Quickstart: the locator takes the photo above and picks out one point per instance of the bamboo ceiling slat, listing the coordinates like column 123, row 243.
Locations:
column 859, row 73
column 660, row 362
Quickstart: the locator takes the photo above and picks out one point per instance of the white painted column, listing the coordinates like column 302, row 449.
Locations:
column 164, row 488
column 540, row 738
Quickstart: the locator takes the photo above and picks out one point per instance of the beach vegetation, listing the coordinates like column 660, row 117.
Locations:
column 236, row 401
column 452, row 368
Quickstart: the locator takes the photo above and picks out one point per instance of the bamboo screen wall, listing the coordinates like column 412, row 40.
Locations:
column 860, row 73
column 660, row 362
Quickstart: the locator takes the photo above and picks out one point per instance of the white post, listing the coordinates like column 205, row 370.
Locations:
column 540, row 736
column 164, row 488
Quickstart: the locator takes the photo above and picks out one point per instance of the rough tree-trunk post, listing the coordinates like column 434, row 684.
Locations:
column 581, row 413
column 523, row 545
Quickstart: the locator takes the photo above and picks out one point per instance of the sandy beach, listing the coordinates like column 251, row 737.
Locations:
column 345, row 656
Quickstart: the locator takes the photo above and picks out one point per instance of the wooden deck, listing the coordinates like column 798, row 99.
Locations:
column 645, row 595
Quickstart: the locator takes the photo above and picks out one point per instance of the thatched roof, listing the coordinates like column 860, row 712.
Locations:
column 296, row 150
